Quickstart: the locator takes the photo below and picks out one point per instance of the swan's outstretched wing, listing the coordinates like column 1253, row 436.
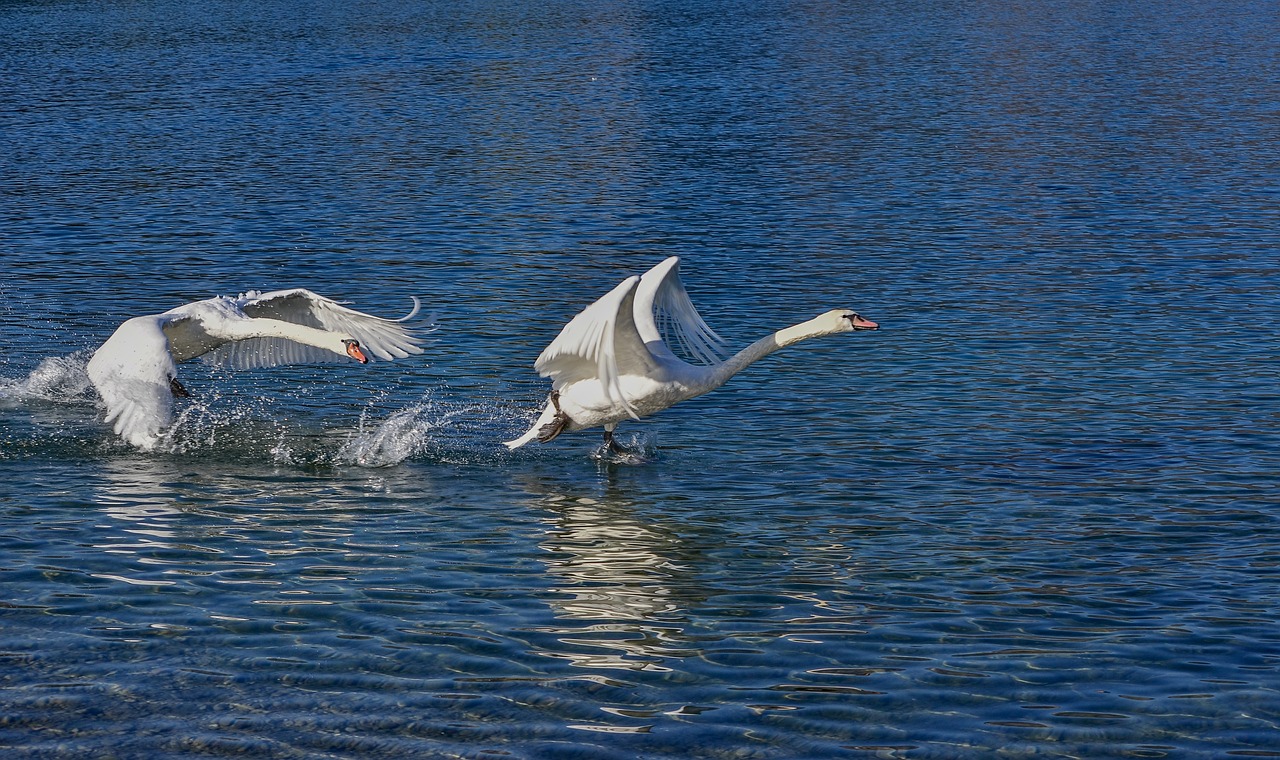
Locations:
column 132, row 371
column 255, row 353
column 601, row 343
column 664, row 313
column 384, row 338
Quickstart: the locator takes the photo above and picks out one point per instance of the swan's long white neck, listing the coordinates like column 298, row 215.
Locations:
column 763, row 347
column 275, row 328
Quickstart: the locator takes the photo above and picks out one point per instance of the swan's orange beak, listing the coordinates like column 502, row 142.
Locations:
column 863, row 324
column 353, row 350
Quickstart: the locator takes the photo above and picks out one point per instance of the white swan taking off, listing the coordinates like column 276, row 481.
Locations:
column 135, row 371
column 612, row 362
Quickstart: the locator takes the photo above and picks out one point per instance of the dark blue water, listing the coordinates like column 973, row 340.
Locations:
column 1035, row 514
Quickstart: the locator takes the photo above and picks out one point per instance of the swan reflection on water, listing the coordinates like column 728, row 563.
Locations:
column 617, row 565
column 141, row 494
column 633, row 588
column 183, row 505
column 618, row 583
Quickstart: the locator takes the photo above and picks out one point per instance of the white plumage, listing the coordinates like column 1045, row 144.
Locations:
column 135, row 370
column 614, row 360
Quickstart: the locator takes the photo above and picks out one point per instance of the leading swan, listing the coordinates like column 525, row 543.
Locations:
column 135, row 370
column 611, row 362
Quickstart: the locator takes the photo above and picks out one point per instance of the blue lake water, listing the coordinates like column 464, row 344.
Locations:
column 1035, row 514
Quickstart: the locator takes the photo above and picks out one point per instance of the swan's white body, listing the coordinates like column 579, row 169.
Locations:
column 612, row 361
column 135, row 371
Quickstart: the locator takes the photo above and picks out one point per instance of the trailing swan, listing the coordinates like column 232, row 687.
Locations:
column 135, row 370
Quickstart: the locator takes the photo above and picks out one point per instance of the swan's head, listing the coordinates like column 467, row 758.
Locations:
column 353, row 350
column 845, row 320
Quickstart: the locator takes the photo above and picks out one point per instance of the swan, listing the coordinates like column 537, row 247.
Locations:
column 611, row 362
column 135, row 370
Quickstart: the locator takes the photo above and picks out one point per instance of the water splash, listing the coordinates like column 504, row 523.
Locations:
column 400, row 436
column 227, row 424
column 45, row 410
column 47, row 394
column 227, row 418
column 636, row 449
column 443, row 429
column 56, row 379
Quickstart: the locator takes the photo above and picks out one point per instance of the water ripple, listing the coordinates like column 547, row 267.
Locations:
column 1032, row 515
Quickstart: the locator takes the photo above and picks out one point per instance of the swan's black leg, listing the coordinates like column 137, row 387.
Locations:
column 177, row 389
column 612, row 452
column 556, row 426
column 611, row 444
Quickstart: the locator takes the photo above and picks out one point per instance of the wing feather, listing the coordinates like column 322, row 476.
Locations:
column 132, row 371
column 256, row 353
column 665, row 313
column 600, row 343
column 384, row 338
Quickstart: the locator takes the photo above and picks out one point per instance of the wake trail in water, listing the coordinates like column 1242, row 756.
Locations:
column 224, row 422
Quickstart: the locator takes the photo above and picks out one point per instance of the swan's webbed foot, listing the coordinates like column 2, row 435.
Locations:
column 556, row 426
column 177, row 389
column 612, row 452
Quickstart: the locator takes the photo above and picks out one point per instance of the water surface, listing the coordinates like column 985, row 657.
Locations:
column 1034, row 514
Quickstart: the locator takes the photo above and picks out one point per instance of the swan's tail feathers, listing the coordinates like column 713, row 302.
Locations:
column 548, row 417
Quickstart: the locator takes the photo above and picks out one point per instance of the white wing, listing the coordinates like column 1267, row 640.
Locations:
column 600, row 343
column 384, row 338
column 665, row 313
column 132, row 371
column 254, row 353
